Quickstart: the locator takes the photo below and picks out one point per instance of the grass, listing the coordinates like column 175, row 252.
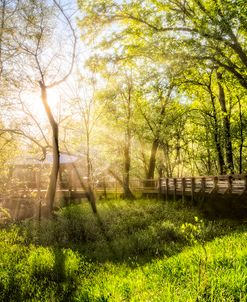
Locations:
column 144, row 250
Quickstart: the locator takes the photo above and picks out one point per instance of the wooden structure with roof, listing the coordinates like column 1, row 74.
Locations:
column 34, row 173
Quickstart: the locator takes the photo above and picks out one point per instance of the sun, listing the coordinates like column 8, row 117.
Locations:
column 54, row 99
column 32, row 103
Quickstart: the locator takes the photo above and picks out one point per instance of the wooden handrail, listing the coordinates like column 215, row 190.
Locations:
column 222, row 184
column 176, row 187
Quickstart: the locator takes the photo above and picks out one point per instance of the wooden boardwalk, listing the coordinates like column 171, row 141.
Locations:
column 190, row 186
column 217, row 194
column 185, row 186
column 220, row 196
column 176, row 187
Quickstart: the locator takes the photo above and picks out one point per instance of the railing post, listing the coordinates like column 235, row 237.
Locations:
column 74, row 180
column 174, row 191
column 192, row 189
column 216, row 179
column 245, row 183
column 116, row 191
column 159, row 188
column 104, row 188
column 38, row 183
column 203, row 184
column 229, row 180
column 183, row 189
column 167, row 188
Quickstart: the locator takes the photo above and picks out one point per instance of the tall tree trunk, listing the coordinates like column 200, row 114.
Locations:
column 209, row 163
column 3, row 8
column 241, row 136
column 216, row 133
column 144, row 160
column 127, row 149
column 168, row 168
column 91, row 192
column 51, row 191
column 152, row 159
column 126, row 177
column 227, row 126
column 221, row 160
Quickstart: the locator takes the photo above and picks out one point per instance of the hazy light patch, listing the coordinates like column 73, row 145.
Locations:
column 33, row 104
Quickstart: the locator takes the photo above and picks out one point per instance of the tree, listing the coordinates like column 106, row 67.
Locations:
column 8, row 49
column 156, row 106
column 186, row 34
column 86, row 110
column 227, row 126
column 121, row 105
column 34, row 41
column 198, row 30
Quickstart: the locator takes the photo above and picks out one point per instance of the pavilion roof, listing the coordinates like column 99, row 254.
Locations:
column 33, row 161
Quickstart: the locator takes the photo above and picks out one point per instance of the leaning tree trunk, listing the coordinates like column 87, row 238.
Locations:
column 51, row 191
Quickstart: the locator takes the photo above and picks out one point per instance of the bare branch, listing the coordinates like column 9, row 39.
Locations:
column 64, row 78
column 22, row 133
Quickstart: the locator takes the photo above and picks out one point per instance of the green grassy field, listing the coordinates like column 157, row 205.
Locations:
column 145, row 250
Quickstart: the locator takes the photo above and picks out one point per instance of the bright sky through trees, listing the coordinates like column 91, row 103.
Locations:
column 103, row 100
column 154, row 88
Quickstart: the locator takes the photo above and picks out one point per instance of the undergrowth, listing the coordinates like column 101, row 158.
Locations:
column 144, row 250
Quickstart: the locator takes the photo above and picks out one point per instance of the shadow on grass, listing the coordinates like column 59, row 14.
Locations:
column 131, row 232
column 55, row 259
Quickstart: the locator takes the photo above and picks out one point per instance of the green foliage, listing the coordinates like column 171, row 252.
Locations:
column 144, row 250
column 193, row 231
column 176, row 278
column 143, row 226
column 4, row 214
column 184, row 43
column 39, row 273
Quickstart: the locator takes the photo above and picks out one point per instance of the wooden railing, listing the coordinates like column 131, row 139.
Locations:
column 178, row 187
column 189, row 186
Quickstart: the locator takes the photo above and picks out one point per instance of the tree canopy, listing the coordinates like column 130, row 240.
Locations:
column 151, row 88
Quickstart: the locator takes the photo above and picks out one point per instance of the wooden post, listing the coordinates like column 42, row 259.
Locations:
column 203, row 187
column 193, row 189
column 167, row 188
column 245, row 183
column 104, row 185
column 70, row 183
column 159, row 188
column 229, row 179
column 116, row 189
column 215, row 184
column 38, row 182
column 174, row 191
column 74, row 179
column 203, row 184
column 183, row 189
